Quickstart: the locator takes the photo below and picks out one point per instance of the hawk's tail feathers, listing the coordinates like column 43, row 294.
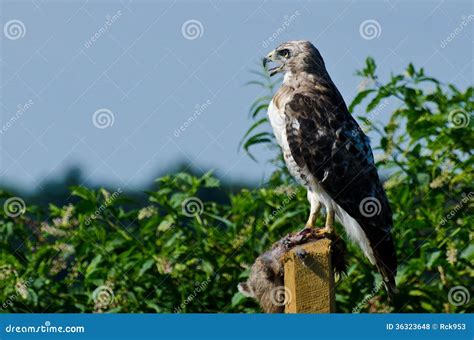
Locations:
column 386, row 262
column 388, row 279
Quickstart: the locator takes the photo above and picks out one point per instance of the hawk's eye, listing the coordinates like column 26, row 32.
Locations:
column 284, row 53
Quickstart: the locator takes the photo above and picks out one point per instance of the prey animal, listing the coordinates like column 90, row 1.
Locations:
column 327, row 152
column 266, row 280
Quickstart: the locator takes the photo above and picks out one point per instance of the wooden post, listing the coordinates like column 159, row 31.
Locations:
column 309, row 278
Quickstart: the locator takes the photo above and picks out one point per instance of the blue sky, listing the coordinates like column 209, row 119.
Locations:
column 107, row 84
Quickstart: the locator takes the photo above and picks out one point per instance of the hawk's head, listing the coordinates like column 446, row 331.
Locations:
column 295, row 56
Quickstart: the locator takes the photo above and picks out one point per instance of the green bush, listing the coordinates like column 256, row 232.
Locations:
column 179, row 254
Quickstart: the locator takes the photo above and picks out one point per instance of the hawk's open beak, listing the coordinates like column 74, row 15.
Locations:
column 271, row 58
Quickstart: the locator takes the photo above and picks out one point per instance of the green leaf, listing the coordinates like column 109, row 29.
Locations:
column 468, row 253
column 360, row 96
column 377, row 99
column 369, row 69
column 92, row 267
column 237, row 299
column 258, row 109
column 84, row 193
column 146, row 265
column 411, row 70
column 165, row 225
column 259, row 138
column 252, row 128
column 256, row 82
column 433, row 257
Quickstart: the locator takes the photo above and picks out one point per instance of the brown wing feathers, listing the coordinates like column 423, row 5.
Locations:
column 324, row 137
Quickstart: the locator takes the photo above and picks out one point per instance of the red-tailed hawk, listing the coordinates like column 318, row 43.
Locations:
column 327, row 152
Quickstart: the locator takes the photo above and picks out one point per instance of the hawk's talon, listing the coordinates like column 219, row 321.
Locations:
column 324, row 232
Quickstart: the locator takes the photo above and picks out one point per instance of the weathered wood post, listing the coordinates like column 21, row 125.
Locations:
column 309, row 278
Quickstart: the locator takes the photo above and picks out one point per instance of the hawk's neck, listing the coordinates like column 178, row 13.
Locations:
column 297, row 79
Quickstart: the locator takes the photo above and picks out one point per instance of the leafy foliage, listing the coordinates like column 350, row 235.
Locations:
column 98, row 256
column 259, row 132
column 426, row 147
column 155, row 259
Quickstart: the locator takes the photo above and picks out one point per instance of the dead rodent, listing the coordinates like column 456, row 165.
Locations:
column 266, row 283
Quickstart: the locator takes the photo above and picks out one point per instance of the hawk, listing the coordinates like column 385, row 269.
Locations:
column 327, row 152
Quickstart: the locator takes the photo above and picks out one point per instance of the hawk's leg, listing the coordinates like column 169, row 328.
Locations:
column 314, row 211
column 329, row 226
